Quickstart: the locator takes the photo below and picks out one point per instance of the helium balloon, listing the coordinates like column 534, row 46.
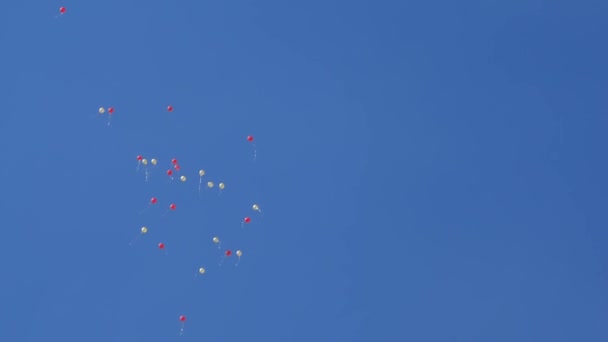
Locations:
column 139, row 158
column 182, row 178
column 169, row 108
column 161, row 245
column 62, row 10
column 153, row 200
column 101, row 110
column 222, row 186
column 238, row 254
column 153, row 161
column 172, row 206
column 256, row 207
column 176, row 167
column 216, row 240
column 174, row 161
column 201, row 270
column 144, row 230
column 228, row 253
column 201, row 173
column 247, row 219
column 210, row 184
column 111, row 110
column 144, row 161
column 182, row 318
column 255, row 151
column 250, row 138
column 169, row 173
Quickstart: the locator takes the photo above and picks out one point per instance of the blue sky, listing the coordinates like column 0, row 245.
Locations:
column 427, row 171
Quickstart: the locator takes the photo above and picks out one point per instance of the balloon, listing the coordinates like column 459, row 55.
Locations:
column 182, row 178
column 221, row 186
column 140, row 158
column 153, row 161
column 201, row 270
column 153, row 200
column 169, row 108
column 256, row 207
column 228, row 253
column 239, row 253
column 210, row 184
column 102, row 110
column 144, row 230
column 172, row 206
column 176, row 167
column 247, row 219
column 144, row 161
column 201, row 173
column 182, row 318
column 216, row 239
column 62, row 10
column 250, row 138
column 169, row 173
column 111, row 110
column 174, row 161
column 161, row 245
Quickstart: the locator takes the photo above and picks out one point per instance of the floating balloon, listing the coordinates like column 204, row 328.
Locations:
column 169, row 173
column 143, row 231
column 256, row 207
column 139, row 158
column 210, row 185
column 201, row 270
column 216, row 241
column 222, row 186
column 176, row 167
column 228, row 253
column 201, row 173
column 255, row 152
column 144, row 161
column 238, row 254
column 169, row 108
column 247, row 219
column 161, row 245
column 153, row 161
column 172, row 206
column 62, row 10
column 101, row 110
column 182, row 178
column 174, row 161
column 111, row 110
column 153, row 200
column 182, row 319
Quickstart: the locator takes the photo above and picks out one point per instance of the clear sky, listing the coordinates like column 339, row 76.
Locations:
column 427, row 171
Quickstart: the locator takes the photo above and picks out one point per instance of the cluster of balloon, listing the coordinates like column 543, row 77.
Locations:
column 173, row 172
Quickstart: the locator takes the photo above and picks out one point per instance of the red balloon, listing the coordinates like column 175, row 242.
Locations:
column 111, row 110
column 161, row 245
column 140, row 158
column 169, row 108
column 174, row 161
column 176, row 167
column 62, row 10
column 153, row 200
column 172, row 206
column 250, row 138
column 228, row 253
column 169, row 172
column 182, row 318
column 247, row 219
